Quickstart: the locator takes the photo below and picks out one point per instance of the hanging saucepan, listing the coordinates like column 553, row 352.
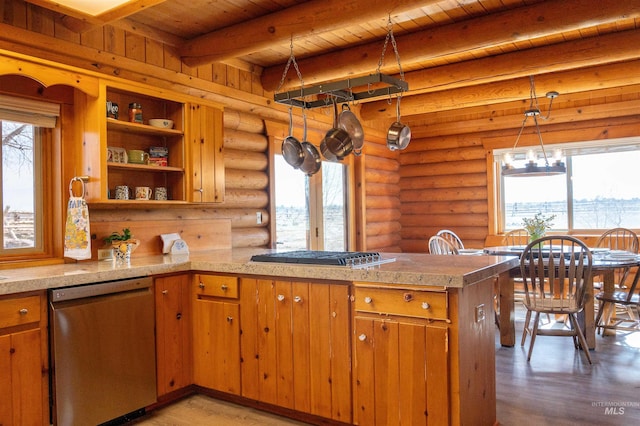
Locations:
column 349, row 122
column 312, row 162
column 398, row 135
column 337, row 143
column 291, row 147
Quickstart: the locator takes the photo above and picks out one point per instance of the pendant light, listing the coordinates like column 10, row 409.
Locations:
column 531, row 168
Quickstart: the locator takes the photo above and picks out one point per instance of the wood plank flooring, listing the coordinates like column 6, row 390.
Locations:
column 557, row 388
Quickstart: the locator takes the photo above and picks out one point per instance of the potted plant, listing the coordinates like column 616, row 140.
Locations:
column 538, row 225
column 123, row 244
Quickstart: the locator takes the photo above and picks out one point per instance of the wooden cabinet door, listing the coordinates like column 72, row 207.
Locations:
column 173, row 333
column 206, row 157
column 400, row 373
column 295, row 346
column 216, row 345
column 21, row 379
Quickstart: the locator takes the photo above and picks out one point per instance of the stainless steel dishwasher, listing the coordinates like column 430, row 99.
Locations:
column 103, row 351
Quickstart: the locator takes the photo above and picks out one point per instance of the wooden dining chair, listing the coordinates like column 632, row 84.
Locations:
column 440, row 245
column 452, row 237
column 619, row 239
column 516, row 237
column 555, row 271
column 629, row 298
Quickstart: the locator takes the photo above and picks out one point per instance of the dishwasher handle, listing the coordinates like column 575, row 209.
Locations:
column 99, row 289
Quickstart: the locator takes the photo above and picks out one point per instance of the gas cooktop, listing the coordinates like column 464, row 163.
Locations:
column 340, row 258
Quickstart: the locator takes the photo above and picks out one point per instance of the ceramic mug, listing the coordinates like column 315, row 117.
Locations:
column 137, row 156
column 143, row 193
column 122, row 192
column 160, row 193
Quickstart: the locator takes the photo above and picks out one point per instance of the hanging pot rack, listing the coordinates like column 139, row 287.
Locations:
column 375, row 85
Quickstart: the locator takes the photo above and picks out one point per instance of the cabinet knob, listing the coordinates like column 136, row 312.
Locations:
column 368, row 300
column 201, row 285
column 178, row 315
column 408, row 297
column 223, row 287
column 297, row 299
column 362, row 337
column 23, row 311
column 165, row 292
column 200, row 190
column 425, row 305
column 229, row 319
column 280, row 297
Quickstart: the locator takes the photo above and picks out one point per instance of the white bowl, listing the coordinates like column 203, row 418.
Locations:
column 161, row 122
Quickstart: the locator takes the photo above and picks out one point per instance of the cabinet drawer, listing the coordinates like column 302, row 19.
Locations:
column 217, row 286
column 421, row 304
column 23, row 310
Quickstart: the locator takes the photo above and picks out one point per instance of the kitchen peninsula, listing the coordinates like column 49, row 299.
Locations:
column 431, row 318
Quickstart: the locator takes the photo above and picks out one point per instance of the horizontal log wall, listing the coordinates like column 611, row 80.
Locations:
column 380, row 226
column 444, row 179
column 443, row 185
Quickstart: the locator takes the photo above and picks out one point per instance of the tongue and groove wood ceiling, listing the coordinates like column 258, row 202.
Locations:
column 458, row 57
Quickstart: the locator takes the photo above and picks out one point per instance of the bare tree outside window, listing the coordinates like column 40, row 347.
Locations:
column 18, row 184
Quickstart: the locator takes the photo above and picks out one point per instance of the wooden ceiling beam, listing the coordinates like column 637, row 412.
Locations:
column 311, row 17
column 581, row 80
column 610, row 48
column 80, row 22
column 530, row 22
column 514, row 121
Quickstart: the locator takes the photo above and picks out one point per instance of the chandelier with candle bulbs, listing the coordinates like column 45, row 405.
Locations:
column 531, row 167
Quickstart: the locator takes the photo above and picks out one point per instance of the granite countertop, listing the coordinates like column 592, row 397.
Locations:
column 407, row 268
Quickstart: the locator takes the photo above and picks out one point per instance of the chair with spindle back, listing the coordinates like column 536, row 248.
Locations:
column 452, row 237
column 440, row 245
column 619, row 239
column 555, row 271
column 516, row 237
column 628, row 298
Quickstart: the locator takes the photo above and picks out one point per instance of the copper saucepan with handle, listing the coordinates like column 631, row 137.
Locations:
column 398, row 135
column 312, row 162
column 337, row 143
column 349, row 122
column 291, row 147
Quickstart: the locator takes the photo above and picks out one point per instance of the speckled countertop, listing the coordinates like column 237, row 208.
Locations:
column 414, row 269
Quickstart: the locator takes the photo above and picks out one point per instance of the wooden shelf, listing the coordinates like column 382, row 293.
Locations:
column 113, row 124
column 136, row 204
column 144, row 167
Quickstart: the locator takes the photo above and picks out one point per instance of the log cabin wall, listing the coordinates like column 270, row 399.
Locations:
column 445, row 181
column 443, row 185
column 377, row 178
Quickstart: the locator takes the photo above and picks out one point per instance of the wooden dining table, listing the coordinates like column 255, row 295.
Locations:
column 603, row 265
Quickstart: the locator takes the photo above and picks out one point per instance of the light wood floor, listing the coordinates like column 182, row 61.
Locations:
column 557, row 388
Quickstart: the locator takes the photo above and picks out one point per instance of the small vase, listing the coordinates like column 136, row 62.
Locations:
column 534, row 236
column 123, row 250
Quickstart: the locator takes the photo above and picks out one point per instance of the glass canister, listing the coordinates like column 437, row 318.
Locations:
column 135, row 112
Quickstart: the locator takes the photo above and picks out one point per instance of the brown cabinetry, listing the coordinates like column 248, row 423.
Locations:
column 423, row 356
column 295, row 346
column 123, row 135
column 24, row 361
column 173, row 333
column 206, row 177
column 216, row 333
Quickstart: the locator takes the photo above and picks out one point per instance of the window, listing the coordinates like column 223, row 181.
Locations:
column 20, row 195
column 311, row 212
column 598, row 192
column 25, row 130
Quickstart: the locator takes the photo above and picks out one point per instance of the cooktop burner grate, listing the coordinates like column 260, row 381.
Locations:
column 315, row 257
